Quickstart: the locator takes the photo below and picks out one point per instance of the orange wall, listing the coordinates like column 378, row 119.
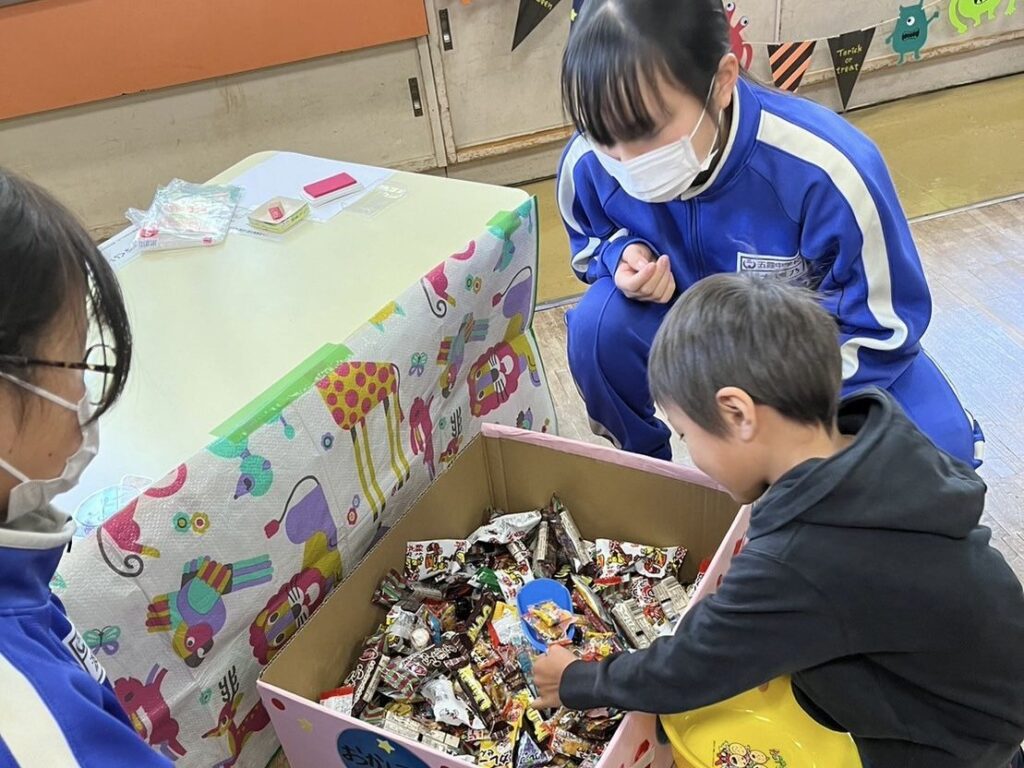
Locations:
column 56, row 53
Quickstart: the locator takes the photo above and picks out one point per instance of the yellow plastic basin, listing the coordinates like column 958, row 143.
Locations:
column 764, row 727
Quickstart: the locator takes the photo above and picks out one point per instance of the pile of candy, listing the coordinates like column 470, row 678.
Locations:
column 451, row 667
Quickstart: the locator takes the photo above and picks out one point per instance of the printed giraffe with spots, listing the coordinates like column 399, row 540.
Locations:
column 351, row 392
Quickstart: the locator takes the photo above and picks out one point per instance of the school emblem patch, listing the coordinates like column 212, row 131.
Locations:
column 792, row 269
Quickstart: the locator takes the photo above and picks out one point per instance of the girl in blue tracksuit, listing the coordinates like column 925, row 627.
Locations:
column 682, row 168
column 57, row 707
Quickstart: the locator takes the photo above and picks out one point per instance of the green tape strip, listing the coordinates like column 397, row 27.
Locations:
column 268, row 406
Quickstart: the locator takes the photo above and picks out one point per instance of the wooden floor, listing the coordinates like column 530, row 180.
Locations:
column 975, row 265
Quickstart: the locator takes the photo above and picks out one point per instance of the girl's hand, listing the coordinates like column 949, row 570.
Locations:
column 642, row 277
column 547, row 676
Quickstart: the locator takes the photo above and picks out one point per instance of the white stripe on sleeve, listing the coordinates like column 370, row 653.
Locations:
column 567, row 197
column 801, row 143
column 28, row 727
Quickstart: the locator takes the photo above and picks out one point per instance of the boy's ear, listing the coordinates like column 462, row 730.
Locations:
column 737, row 410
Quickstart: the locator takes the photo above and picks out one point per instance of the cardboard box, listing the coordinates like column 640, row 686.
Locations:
column 611, row 494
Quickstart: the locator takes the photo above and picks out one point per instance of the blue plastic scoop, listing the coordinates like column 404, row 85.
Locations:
column 534, row 593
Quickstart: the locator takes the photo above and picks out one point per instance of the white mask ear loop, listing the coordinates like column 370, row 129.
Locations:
column 13, row 471
column 46, row 395
column 43, row 393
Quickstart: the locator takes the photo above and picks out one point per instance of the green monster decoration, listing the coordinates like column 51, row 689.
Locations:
column 974, row 10
column 911, row 31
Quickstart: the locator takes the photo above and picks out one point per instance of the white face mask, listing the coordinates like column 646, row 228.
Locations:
column 664, row 173
column 33, row 495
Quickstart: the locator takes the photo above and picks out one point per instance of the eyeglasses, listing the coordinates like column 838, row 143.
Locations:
column 99, row 366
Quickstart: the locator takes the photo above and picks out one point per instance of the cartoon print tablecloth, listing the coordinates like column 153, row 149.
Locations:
column 191, row 587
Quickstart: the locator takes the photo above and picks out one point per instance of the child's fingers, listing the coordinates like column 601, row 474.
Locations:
column 635, row 259
column 662, row 285
column 668, row 289
column 635, row 283
column 654, row 283
column 637, row 256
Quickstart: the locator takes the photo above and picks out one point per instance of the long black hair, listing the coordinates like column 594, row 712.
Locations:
column 46, row 259
column 618, row 49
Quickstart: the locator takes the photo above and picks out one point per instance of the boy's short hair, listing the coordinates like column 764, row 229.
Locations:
column 770, row 339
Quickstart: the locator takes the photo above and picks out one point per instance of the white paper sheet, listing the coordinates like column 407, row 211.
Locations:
column 286, row 173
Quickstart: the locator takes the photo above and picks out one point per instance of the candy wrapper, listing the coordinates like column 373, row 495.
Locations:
column 672, row 596
column 450, row 666
column 431, row 559
column 506, row 628
column 643, row 593
column 541, row 730
column 568, row 536
column 565, row 742
column 529, row 754
column 474, row 690
column 551, row 623
column 505, row 528
column 545, row 561
column 589, row 603
column 447, row 707
column 366, row 676
column 629, row 626
column 480, row 617
column 401, row 677
column 392, row 590
column 511, row 580
column 495, row 754
column 521, row 554
column 617, row 558
column 339, row 700
column 598, row 647
column 399, row 625
column 483, row 656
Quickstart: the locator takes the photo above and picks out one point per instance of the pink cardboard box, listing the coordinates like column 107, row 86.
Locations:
column 611, row 494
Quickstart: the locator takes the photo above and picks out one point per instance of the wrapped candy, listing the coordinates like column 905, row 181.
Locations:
column 550, row 622
column 511, row 580
column 505, row 626
column 568, row 536
column 339, row 700
column 450, row 667
column 529, row 754
column 474, row 689
column 544, row 559
column 399, row 625
column 643, row 592
column 495, row 754
column 447, row 707
column 480, row 617
column 615, row 559
column 505, row 528
column 431, row 559
column 565, row 742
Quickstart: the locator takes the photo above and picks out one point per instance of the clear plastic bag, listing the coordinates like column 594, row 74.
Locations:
column 184, row 215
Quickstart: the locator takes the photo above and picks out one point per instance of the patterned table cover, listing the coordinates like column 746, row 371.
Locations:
column 197, row 582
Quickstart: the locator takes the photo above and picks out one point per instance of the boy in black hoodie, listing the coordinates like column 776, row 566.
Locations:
column 866, row 575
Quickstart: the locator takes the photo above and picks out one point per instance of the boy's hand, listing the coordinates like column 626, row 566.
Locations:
column 547, row 676
column 642, row 277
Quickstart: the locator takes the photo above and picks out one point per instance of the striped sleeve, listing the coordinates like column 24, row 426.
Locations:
column 595, row 241
column 30, row 732
column 53, row 714
column 854, row 229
